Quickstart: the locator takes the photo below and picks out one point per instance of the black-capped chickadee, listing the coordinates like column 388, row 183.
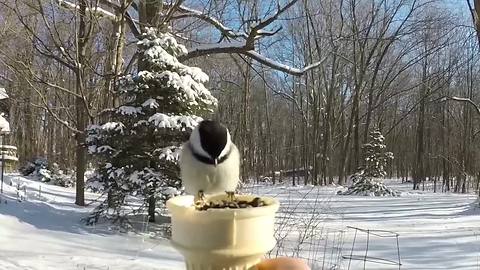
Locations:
column 209, row 161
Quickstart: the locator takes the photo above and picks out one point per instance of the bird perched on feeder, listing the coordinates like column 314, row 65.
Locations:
column 209, row 162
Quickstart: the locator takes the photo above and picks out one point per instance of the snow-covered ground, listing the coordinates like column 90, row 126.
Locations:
column 436, row 231
column 44, row 232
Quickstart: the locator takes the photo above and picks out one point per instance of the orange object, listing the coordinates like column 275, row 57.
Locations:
column 283, row 263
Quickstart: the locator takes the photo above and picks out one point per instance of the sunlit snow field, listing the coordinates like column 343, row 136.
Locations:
column 436, row 231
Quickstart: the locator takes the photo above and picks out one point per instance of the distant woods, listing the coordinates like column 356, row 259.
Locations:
column 408, row 68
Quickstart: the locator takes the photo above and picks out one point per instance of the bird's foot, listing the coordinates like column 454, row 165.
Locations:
column 201, row 195
column 230, row 196
column 199, row 200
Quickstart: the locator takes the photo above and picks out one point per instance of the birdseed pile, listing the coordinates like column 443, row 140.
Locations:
column 235, row 204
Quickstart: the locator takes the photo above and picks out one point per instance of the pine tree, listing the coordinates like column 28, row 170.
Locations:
column 375, row 160
column 375, row 156
column 137, row 151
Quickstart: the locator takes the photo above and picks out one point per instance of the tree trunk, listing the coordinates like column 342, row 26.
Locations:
column 81, row 151
column 293, row 141
column 419, row 159
column 345, row 158
column 151, row 207
column 80, row 163
column 419, row 171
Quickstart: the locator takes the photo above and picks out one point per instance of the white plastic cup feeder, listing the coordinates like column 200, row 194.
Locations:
column 222, row 239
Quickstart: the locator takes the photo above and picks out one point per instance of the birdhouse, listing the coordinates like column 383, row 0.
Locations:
column 4, row 101
column 222, row 239
column 8, row 153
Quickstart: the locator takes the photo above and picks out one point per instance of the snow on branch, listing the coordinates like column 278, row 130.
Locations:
column 95, row 10
column 235, row 47
column 241, row 49
column 281, row 67
column 132, row 23
column 3, row 93
column 467, row 100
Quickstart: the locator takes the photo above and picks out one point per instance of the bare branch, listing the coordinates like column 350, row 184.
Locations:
column 132, row 24
column 50, row 111
column 224, row 30
column 172, row 10
column 34, row 37
column 256, row 30
column 246, row 47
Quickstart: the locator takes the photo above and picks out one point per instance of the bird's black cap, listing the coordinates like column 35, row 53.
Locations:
column 213, row 137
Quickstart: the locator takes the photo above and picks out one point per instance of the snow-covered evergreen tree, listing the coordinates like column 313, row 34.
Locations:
column 376, row 156
column 138, row 149
column 365, row 181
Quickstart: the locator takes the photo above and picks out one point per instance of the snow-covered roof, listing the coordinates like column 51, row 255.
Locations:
column 4, row 125
column 3, row 93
